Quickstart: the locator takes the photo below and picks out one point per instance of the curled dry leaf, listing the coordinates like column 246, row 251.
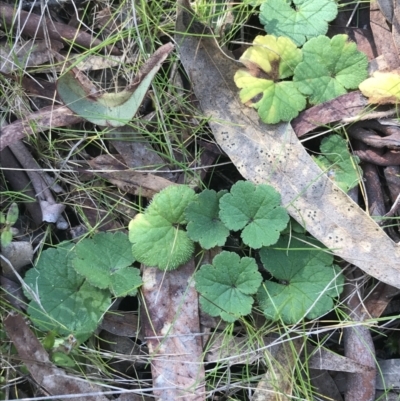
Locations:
column 109, row 109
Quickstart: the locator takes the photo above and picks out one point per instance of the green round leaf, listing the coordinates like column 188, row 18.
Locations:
column 125, row 281
column 68, row 303
column 156, row 242
column 307, row 280
column 336, row 159
column 204, row 224
column 103, row 258
column 329, row 68
column 226, row 286
column 171, row 203
column 298, row 19
column 157, row 235
column 256, row 209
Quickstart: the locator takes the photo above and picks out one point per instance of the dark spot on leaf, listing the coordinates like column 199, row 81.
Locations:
column 256, row 98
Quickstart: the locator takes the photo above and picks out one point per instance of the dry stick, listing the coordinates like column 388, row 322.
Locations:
column 33, row 26
column 51, row 211
column 369, row 137
column 19, row 181
column 358, row 347
column 392, row 175
column 39, row 121
column 390, row 158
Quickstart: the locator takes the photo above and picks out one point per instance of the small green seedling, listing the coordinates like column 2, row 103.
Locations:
column 66, row 300
column 7, row 221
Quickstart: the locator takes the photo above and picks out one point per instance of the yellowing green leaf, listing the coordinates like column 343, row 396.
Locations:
column 276, row 57
column 382, row 88
column 268, row 61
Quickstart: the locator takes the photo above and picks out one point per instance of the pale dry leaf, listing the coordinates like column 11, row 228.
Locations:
column 171, row 324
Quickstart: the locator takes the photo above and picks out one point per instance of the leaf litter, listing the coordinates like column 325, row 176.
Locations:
column 278, row 158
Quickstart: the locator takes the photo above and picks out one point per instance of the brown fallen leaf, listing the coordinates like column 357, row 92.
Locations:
column 121, row 323
column 272, row 154
column 277, row 383
column 383, row 36
column 137, row 151
column 346, row 106
column 377, row 301
column 134, row 182
column 324, row 387
column 323, row 359
column 29, row 54
column 33, row 25
column 171, row 324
